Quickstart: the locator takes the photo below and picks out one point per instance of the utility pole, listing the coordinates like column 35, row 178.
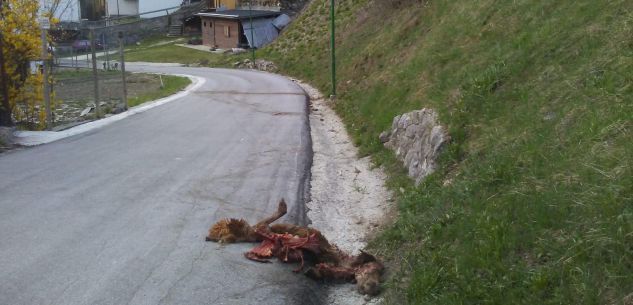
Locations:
column 333, row 47
column 95, row 74
column 250, row 8
column 45, row 25
column 124, row 97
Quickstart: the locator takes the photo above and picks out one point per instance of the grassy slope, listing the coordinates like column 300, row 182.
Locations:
column 533, row 201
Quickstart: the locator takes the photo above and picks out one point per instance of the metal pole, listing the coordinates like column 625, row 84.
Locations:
column 104, row 44
column 250, row 7
column 47, row 90
column 72, row 57
column 124, row 97
column 333, row 47
column 95, row 74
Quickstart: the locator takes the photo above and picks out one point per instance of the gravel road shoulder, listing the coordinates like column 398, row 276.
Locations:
column 349, row 200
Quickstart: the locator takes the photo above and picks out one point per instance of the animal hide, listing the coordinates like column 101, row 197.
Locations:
column 295, row 244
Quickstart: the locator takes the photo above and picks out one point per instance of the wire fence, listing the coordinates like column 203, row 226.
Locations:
column 87, row 80
column 84, row 68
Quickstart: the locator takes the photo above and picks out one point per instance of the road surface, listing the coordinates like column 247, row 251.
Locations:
column 118, row 215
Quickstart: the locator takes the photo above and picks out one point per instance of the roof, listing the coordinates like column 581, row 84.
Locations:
column 240, row 14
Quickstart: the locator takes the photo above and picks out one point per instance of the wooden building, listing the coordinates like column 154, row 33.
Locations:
column 95, row 10
column 226, row 29
column 228, row 4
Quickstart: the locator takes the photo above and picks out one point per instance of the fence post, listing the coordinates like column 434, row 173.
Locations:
column 47, row 90
column 95, row 74
column 333, row 46
column 121, row 51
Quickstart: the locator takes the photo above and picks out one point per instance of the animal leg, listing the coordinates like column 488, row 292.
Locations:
column 282, row 209
column 329, row 272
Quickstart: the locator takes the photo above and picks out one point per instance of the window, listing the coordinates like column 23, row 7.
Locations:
column 205, row 24
column 227, row 31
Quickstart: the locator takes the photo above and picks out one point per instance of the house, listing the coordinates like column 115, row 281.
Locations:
column 227, row 4
column 99, row 9
column 118, row 8
column 228, row 29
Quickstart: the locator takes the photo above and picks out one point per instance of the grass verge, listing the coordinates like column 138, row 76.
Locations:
column 171, row 85
column 165, row 50
column 533, row 201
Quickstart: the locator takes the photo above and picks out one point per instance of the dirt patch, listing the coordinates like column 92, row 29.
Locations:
column 74, row 91
column 349, row 199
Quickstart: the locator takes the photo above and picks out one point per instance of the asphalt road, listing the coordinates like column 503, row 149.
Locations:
column 118, row 215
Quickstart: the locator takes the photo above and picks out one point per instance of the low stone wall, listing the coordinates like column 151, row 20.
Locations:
column 417, row 139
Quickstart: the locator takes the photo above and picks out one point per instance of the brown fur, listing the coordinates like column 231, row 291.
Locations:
column 238, row 230
column 367, row 278
column 231, row 231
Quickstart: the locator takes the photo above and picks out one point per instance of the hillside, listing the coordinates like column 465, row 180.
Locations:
column 533, row 202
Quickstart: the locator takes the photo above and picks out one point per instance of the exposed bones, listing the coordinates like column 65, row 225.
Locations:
column 296, row 244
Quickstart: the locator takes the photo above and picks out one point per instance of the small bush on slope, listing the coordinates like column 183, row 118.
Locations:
column 533, row 201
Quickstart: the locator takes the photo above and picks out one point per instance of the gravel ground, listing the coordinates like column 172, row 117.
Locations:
column 349, row 200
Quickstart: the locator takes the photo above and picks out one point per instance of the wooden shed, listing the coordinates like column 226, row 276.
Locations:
column 225, row 29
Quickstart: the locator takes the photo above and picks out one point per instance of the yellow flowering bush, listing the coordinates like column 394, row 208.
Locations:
column 21, row 44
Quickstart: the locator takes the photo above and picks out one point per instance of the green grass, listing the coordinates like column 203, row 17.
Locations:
column 172, row 84
column 533, row 201
column 149, row 51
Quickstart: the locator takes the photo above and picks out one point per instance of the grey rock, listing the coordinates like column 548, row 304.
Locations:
column 86, row 111
column 118, row 109
column 417, row 139
column 549, row 116
column 259, row 64
column 6, row 135
column 384, row 137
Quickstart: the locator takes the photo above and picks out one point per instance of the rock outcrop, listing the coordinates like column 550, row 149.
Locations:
column 417, row 139
column 259, row 64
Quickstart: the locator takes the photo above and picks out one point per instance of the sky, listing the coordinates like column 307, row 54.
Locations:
column 152, row 5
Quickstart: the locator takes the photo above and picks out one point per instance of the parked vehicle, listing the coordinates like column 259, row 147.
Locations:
column 84, row 45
